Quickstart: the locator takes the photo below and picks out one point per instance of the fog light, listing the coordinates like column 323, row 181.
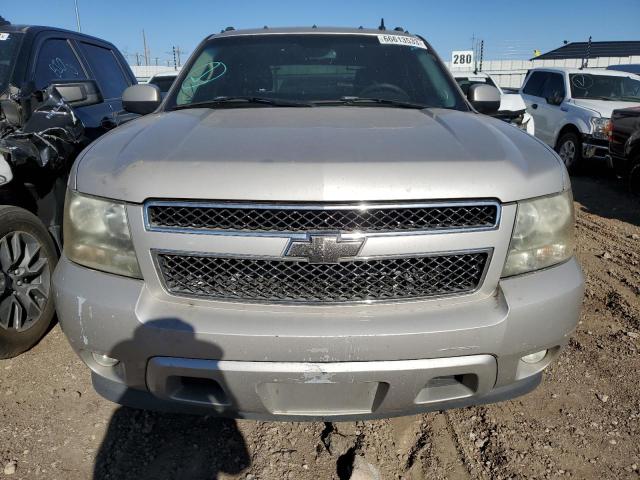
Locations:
column 534, row 357
column 104, row 360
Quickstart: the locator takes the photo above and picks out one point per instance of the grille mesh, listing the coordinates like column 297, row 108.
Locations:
column 373, row 219
column 302, row 282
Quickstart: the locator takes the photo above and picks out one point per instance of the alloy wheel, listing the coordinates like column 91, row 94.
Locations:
column 25, row 275
column 568, row 152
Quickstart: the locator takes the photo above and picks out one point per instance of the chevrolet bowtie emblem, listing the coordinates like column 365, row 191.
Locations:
column 324, row 249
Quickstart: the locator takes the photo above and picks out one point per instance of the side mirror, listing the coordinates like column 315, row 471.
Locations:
column 555, row 99
column 141, row 99
column 484, row 98
column 79, row 93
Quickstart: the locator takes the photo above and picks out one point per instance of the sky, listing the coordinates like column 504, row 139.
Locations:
column 510, row 29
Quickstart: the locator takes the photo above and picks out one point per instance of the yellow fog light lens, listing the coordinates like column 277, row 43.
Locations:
column 534, row 357
column 104, row 360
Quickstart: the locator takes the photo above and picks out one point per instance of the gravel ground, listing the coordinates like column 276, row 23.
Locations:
column 582, row 422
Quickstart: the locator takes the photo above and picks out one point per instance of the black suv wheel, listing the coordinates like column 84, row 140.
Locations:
column 27, row 259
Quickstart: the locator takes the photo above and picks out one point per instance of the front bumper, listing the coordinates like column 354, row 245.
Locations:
column 328, row 362
column 595, row 149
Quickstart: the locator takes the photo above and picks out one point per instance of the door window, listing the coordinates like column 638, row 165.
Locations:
column 554, row 87
column 106, row 69
column 535, row 84
column 57, row 61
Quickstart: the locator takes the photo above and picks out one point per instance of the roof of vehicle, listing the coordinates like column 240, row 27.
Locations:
column 590, row 71
column 468, row 73
column 596, row 49
column 34, row 29
column 168, row 73
column 626, row 67
column 311, row 30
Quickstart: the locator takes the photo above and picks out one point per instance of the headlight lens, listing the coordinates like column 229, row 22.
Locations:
column 543, row 234
column 601, row 127
column 96, row 235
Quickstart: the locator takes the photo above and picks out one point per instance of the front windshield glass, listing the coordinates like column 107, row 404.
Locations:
column 604, row 87
column 9, row 43
column 317, row 68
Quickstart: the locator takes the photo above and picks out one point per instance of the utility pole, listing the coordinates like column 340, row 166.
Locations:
column 481, row 52
column 78, row 16
column 179, row 52
column 137, row 59
column 146, row 50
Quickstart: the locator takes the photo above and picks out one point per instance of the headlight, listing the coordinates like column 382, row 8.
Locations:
column 96, row 235
column 601, row 127
column 543, row 234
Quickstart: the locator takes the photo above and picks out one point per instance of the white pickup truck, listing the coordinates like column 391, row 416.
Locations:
column 572, row 108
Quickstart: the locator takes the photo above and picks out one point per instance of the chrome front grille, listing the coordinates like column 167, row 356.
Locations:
column 298, row 281
column 301, row 218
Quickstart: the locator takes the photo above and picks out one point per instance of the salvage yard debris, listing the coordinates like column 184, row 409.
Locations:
column 40, row 130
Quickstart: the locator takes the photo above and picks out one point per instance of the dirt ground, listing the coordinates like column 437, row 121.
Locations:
column 582, row 422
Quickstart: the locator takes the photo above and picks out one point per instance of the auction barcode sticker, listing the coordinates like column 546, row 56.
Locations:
column 401, row 40
column 4, row 36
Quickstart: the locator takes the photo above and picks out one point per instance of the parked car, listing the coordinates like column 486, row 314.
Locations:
column 626, row 67
column 512, row 107
column 572, row 108
column 624, row 145
column 316, row 224
column 58, row 91
column 163, row 81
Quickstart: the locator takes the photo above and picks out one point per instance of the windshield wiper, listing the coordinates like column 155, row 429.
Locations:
column 224, row 100
column 595, row 97
column 378, row 101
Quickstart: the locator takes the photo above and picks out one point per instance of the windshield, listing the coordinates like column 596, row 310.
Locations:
column 603, row 87
column 466, row 82
column 9, row 43
column 317, row 68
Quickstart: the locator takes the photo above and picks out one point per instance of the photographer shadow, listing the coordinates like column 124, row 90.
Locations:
column 152, row 445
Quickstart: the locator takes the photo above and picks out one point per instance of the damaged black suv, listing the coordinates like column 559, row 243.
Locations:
column 59, row 90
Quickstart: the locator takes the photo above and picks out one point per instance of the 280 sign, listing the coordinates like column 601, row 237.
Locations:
column 462, row 58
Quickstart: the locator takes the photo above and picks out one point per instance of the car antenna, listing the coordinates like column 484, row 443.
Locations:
column 382, row 27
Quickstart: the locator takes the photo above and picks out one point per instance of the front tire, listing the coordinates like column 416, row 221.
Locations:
column 569, row 148
column 27, row 259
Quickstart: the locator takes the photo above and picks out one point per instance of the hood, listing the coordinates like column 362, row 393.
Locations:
column 511, row 102
column 318, row 154
column 604, row 107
